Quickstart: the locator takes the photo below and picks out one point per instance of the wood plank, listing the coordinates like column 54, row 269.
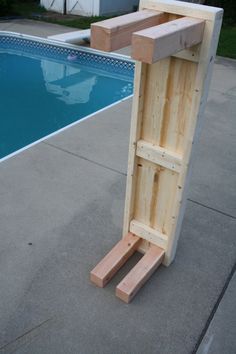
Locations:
column 159, row 155
column 116, row 33
column 196, row 116
column 170, row 86
column 158, row 42
column 135, row 131
column 141, row 272
column 149, row 234
column 114, row 260
column 185, row 9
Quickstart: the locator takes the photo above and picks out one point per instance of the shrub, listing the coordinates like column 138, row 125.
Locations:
column 229, row 7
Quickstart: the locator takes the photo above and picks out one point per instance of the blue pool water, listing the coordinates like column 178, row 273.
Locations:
column 44, row 88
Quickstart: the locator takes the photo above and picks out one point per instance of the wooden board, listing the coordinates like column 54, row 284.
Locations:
column 114, row 260
column 115, row 33
column 158, row 42
column 139, row 274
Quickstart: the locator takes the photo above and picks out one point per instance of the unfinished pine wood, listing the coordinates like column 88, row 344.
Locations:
column 158, row 42
column 168, row 106
column 159, row 155
column 149, row 234
column 113, row 261
column 187, row 9
column 142, row 271
column 115, row 33
column 170, row 85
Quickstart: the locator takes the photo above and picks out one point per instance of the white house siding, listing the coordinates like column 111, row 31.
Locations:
column 83, row 7
column 108, row 7
column 53, row 5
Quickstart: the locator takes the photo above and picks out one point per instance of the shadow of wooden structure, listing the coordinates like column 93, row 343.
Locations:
column 174, row 44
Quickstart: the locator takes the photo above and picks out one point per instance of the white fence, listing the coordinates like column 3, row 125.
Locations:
column 90, row 7
column 53, row 5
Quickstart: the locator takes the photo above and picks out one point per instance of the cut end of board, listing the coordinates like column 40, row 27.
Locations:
column 114, row 260
column 137, row 277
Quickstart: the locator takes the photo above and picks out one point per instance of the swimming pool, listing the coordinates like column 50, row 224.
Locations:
column 46, row 87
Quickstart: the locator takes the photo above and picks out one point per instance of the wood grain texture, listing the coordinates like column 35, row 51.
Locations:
column 114, row 260
column 187, row 9
column 116, row 33
column 141, row 272
column 158, row 42
column 168, row 107
column 148, row 233
column 159, row 155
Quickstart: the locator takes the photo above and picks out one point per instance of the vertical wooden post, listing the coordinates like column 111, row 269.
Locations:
column 174, row 62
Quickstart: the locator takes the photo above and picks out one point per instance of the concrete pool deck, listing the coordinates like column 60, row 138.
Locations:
column 61, row 210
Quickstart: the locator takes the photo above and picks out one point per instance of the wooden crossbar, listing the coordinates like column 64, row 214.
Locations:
column 158, row 42
column 114, row 260
column 159, row 155
column 139, row 274
column 149, row 234
column 115, row 33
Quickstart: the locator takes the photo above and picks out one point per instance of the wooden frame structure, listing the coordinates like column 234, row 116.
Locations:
column 174, row 44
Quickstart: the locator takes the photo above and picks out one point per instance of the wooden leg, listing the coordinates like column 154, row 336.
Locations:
column 137, row 277
column 113, row 261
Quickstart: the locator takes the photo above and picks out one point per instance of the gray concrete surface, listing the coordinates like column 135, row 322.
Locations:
column 221, row 334
column 33, row 28
column 66, row 197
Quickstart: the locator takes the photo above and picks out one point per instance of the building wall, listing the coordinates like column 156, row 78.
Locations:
column 83, row 7
column 90, row 7
column 108, row 7
column 57, row 5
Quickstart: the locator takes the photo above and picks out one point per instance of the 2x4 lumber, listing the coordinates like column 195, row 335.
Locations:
column 114, row 260
column 184, row 9
column 159, row 155
column 116, row 33
column 202, row 83
column 149, row 234
column 191, row 54
column 158, row 42
column 141, row 272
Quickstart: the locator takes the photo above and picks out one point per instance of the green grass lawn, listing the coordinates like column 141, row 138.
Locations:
column 26, row 9
column 29, row 9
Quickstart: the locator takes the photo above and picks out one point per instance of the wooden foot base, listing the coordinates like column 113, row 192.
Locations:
column 113, row 261
column 137, row 277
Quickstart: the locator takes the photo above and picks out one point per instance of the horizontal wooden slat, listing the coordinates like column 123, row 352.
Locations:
column 113, row 261
column 191, row 54
column 148, row 233
column 159, row 155
column 158, row 42
column 116, row 33
column 182, row 8
column 141, row 272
